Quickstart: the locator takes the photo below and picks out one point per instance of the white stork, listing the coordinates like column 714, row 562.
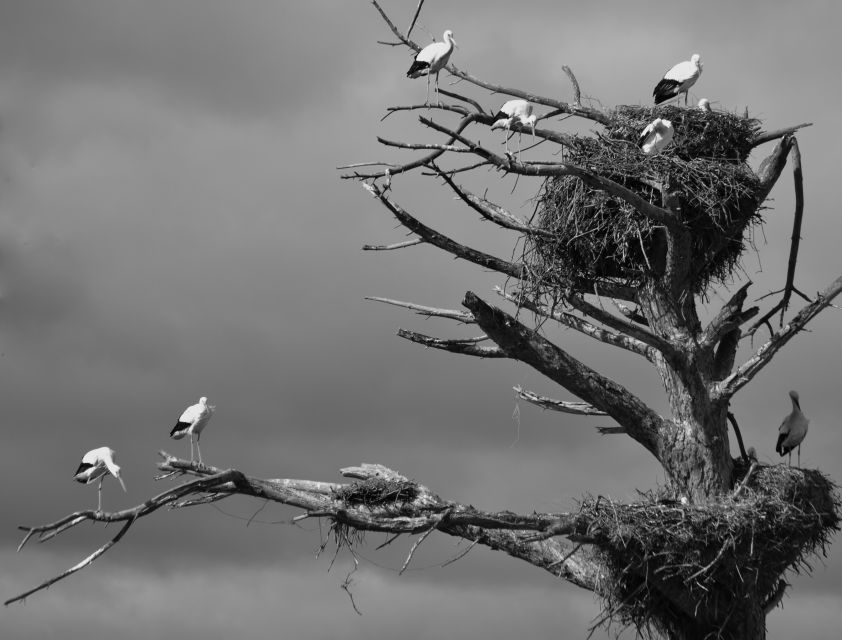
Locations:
column 515, row 112
column 192, row 421
column 792, row 431
column 657, row 135
column 96, row 463
column 678, row 80
column 704, row 105
column 432, row 59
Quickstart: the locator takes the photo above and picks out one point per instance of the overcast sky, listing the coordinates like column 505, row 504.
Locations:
column 172, row 225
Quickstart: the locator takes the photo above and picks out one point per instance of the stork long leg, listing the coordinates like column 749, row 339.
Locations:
column 438, row 97
column 99, row 495
column 198, row 437
column 191, row 447
column 799, row 456
column 427, row 101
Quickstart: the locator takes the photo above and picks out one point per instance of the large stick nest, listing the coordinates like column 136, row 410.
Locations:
column 665, row 557
column 597, row 236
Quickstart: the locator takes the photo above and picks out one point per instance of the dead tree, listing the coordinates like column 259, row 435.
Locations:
column 649, row 236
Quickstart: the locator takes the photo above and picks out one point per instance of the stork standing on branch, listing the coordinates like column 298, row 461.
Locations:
column 792, row 431
column 515, row 112
column 96, row 464
column 678, row 80
column 432, row 59
column 194, row 419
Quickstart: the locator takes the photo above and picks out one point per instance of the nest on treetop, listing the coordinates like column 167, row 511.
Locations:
column 711, row 557
column 599, row 237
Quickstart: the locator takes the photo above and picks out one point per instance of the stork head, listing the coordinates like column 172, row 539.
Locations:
column 695, row 58
column 203, row 401
column 704, row 104
column 113, row 469
column 448, row 38
column 794, row 396
column 529, row 121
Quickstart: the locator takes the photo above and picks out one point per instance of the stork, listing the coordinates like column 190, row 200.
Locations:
column 657, row 135
column 192, row 421
column 792, row 431
column 97, row 463
column 678, row 80
column 704, row 105
column 515, row 112
column 432, row 59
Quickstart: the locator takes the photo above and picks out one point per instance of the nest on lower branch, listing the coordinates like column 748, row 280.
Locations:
column 665, row 558
column 598, row 236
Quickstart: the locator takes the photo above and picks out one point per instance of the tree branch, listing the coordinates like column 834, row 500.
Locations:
column 742, row 376
column 582, row 326
column 623, row 326
column 383, row 500
column 525, row 344
column 443, row 242
column 795, row 241
column 453, row 314
column 573, row 109
column 576, row 408
column 512, row 165
column 468, row 347
column 490, row 211
column 764, row 136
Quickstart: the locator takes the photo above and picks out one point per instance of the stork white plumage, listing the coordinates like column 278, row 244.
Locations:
column 678, row 80
column 793, row 430
column 515, row 112
column 432, row 59
column 194, row 419
column 657, row 135
column 704, row 105
column 96, row 464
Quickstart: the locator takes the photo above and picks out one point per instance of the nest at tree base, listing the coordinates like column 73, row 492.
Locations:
column 672, row 565
column 597, row 236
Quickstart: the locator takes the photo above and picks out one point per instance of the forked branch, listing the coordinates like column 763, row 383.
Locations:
column 743, row 375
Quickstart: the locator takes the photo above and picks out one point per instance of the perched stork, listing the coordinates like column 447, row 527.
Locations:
column 515, row 112
column 192, row 421
column 704, row 105
column 792, row 431
column 96, row 463
column 432, row 59
column 657, row 135
column 678, row 80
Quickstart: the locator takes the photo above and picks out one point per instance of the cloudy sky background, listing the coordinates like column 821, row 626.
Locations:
column 172, row 225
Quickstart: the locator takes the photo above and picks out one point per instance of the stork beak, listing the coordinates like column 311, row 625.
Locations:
column 122, row 484
column 454, row 42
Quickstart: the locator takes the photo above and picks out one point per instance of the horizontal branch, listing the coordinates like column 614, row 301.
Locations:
column 743, row 375
column 453, row 314
column 393, row 169
column 405, row 507
column 392, row 247
column 576, row 408
column 467, row 347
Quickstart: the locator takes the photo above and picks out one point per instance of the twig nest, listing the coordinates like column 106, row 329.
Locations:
column 713, row 556
column 599, row 237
